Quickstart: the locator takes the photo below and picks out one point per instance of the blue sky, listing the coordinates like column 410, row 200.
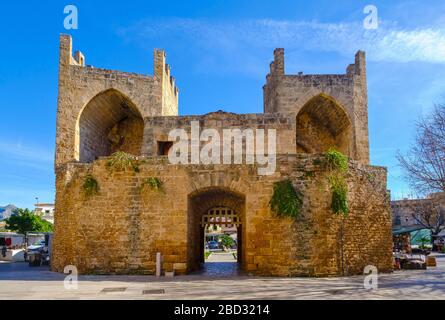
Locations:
column 219, row 52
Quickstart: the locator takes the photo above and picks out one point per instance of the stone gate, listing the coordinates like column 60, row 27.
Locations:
column 124, row 224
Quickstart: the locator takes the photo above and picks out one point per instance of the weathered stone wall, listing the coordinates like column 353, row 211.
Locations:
column 170, row 92
column 128, row 136
column 158, row 128
column 120, row 229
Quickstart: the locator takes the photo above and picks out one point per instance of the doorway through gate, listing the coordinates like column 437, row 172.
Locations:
column 216, row 232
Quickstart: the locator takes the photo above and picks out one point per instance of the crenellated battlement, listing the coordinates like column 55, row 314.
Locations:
column 169, row 90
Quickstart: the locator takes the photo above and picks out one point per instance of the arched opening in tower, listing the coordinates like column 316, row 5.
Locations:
column 323, row 124
column 110, row 122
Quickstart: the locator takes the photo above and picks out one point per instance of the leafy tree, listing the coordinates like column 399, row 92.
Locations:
column 24, row 221
column 227, row 241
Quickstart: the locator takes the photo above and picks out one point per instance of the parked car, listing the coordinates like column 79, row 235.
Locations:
column 37, row 254
column 419, row 251
column 213, row 245
column 39, row 245
column 413, row 264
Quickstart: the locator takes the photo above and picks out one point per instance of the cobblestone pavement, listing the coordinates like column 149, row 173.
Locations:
column 18, row 281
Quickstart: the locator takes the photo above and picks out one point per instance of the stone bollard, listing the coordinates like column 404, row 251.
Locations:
column 170, row 274
column 158, row 264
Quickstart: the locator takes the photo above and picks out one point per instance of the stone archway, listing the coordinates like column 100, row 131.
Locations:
column 322, row 123
column 110, row 122
column 200, row 205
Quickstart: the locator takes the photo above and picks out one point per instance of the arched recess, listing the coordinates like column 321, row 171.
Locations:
column 322, row 123
column 110, row 122
column 199, row 204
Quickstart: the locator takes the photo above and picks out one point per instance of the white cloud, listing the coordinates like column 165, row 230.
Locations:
column 424, row 45
column 387, row 43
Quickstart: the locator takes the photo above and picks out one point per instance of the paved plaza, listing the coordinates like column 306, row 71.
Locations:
column 18, row 281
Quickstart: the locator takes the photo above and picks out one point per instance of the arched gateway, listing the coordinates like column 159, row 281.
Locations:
column 213, row 206
column 154, row 206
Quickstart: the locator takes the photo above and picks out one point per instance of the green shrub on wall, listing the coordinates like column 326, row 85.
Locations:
column 337, row 163
column 285, row 200
column 120, row 161
column 339, row 195
column 153, row 183
column 90, row 186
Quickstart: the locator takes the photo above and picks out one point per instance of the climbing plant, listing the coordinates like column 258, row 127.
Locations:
column 339, row 195
column 152, row 182
column 122, row 161
column 336, row 160
column 90, row 186
column 337, row 164
column 285, row 200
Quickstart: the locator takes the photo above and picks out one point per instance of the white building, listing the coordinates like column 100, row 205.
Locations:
column 46, row 211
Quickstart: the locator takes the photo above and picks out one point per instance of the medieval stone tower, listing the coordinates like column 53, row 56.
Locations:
column 331, row 110
column 121, row 226
column 102, row 111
